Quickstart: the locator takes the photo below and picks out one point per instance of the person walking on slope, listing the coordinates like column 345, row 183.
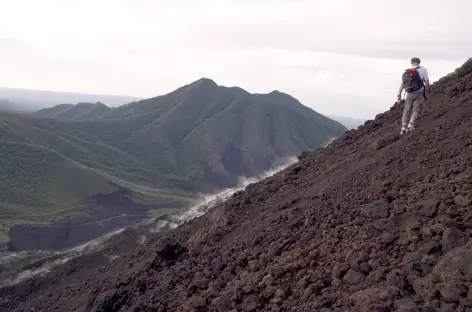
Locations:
column 415, row 81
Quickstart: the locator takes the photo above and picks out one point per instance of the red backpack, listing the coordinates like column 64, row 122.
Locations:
column 412, row 81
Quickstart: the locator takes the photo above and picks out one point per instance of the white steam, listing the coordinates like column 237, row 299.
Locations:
column 207, row 201
column 201, row 206
column 26, row 274
column 64, row 256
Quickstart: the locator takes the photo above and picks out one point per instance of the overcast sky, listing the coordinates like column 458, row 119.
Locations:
column 337, row 56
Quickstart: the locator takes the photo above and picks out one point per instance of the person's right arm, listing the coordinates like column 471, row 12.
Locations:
column 426, row 81
column 399, row 94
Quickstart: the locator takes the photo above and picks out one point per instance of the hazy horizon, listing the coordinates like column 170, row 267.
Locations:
column 338, row 57
column 32, row 100
column 46, row 101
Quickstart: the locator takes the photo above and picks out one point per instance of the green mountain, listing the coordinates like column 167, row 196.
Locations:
column 198, row 138
column 202, row 135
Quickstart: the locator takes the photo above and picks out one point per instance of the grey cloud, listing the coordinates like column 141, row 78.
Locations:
column 294, row 36
column 441, row 49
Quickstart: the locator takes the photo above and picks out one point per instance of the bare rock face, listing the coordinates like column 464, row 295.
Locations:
column 111, row 300
column 371, row 299
column 361, row 225
column 427, row 207
column 452, row 291
column 376, row 209
column 461, row 201
column 354, row 277
column 450, row 277
column 387, row 238
column 385, row 141
column 425, row 288
column 222, row 304
column 452, row 238
column 268, row 280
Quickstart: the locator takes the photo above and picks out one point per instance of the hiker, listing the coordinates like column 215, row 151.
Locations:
column 415, row 81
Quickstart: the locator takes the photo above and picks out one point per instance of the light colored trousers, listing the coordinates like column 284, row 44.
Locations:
column 415, row 101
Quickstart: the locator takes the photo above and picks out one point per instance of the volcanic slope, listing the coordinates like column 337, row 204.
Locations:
column 373, row 222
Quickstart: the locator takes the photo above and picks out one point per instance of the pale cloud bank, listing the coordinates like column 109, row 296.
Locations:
column 337, row 56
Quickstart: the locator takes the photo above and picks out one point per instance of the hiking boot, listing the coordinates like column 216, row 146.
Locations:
column 402, row 132
column 410, row 128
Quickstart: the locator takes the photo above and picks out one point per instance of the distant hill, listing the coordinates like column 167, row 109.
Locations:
column 78, row 112
column 9, row 106
column 53, row 112
column 348, row 122
column 32, row 100
column 6, row 105
column 199, row 138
